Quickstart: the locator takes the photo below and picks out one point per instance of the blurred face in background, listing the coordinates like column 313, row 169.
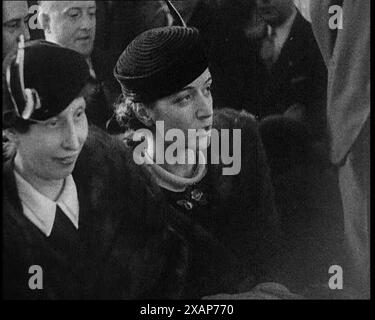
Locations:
column 70, row 24
column 15, row 18
column 275, row 12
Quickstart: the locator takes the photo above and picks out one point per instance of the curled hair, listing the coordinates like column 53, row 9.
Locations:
column 125, row 114
column 125, row 119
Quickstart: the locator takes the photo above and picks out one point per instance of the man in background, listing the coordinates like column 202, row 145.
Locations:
column 292, row 76
column 72, row 24
column 15, row 17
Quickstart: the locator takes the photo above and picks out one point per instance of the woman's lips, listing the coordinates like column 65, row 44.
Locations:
column 84, row 39
column 66, row 160
column 207, row 128
column 204, row 131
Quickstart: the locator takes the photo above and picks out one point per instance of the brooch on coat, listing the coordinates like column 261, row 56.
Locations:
column 193, row 198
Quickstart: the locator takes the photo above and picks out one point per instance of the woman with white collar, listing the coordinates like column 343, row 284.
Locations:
column 80, row 221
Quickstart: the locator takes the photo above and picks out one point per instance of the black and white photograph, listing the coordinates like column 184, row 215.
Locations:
column 193, row 150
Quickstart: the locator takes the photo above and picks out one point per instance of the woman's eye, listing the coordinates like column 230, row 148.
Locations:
column 80, row 114
column 184, row 99
column 74, row 14
column 12, row 25
column 52, row 123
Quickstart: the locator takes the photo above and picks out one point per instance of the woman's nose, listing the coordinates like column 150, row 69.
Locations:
column 205, row 107
column 71, row 138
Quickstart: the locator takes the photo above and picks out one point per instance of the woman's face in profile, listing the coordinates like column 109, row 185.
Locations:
column 189, row 108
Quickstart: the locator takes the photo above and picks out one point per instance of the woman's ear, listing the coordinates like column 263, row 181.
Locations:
column 143, row 114
column 45, row 21
column 10, row 135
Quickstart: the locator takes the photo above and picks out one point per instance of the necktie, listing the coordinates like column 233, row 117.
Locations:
column 64, row 235
column 268, row 50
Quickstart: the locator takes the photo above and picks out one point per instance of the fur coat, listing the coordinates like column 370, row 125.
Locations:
column 126, row 243
column 233, row 241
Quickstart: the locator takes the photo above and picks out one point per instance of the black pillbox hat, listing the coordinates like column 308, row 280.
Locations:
column 58, row 75
column 160, row 62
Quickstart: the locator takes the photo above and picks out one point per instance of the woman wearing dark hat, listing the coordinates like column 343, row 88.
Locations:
column 165, row 80
column 80, row 221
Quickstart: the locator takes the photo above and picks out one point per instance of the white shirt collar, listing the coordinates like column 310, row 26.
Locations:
column 41, row 211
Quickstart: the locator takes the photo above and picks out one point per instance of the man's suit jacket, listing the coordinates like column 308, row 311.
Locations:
column 299, row 76
column 240, row 78
column 346, row 53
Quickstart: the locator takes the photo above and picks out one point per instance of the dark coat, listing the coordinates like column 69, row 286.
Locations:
column 308, row 200
column 241, row 80
column 250, row 222
column 233, row 240
column 299, row 76
column 125, row 243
